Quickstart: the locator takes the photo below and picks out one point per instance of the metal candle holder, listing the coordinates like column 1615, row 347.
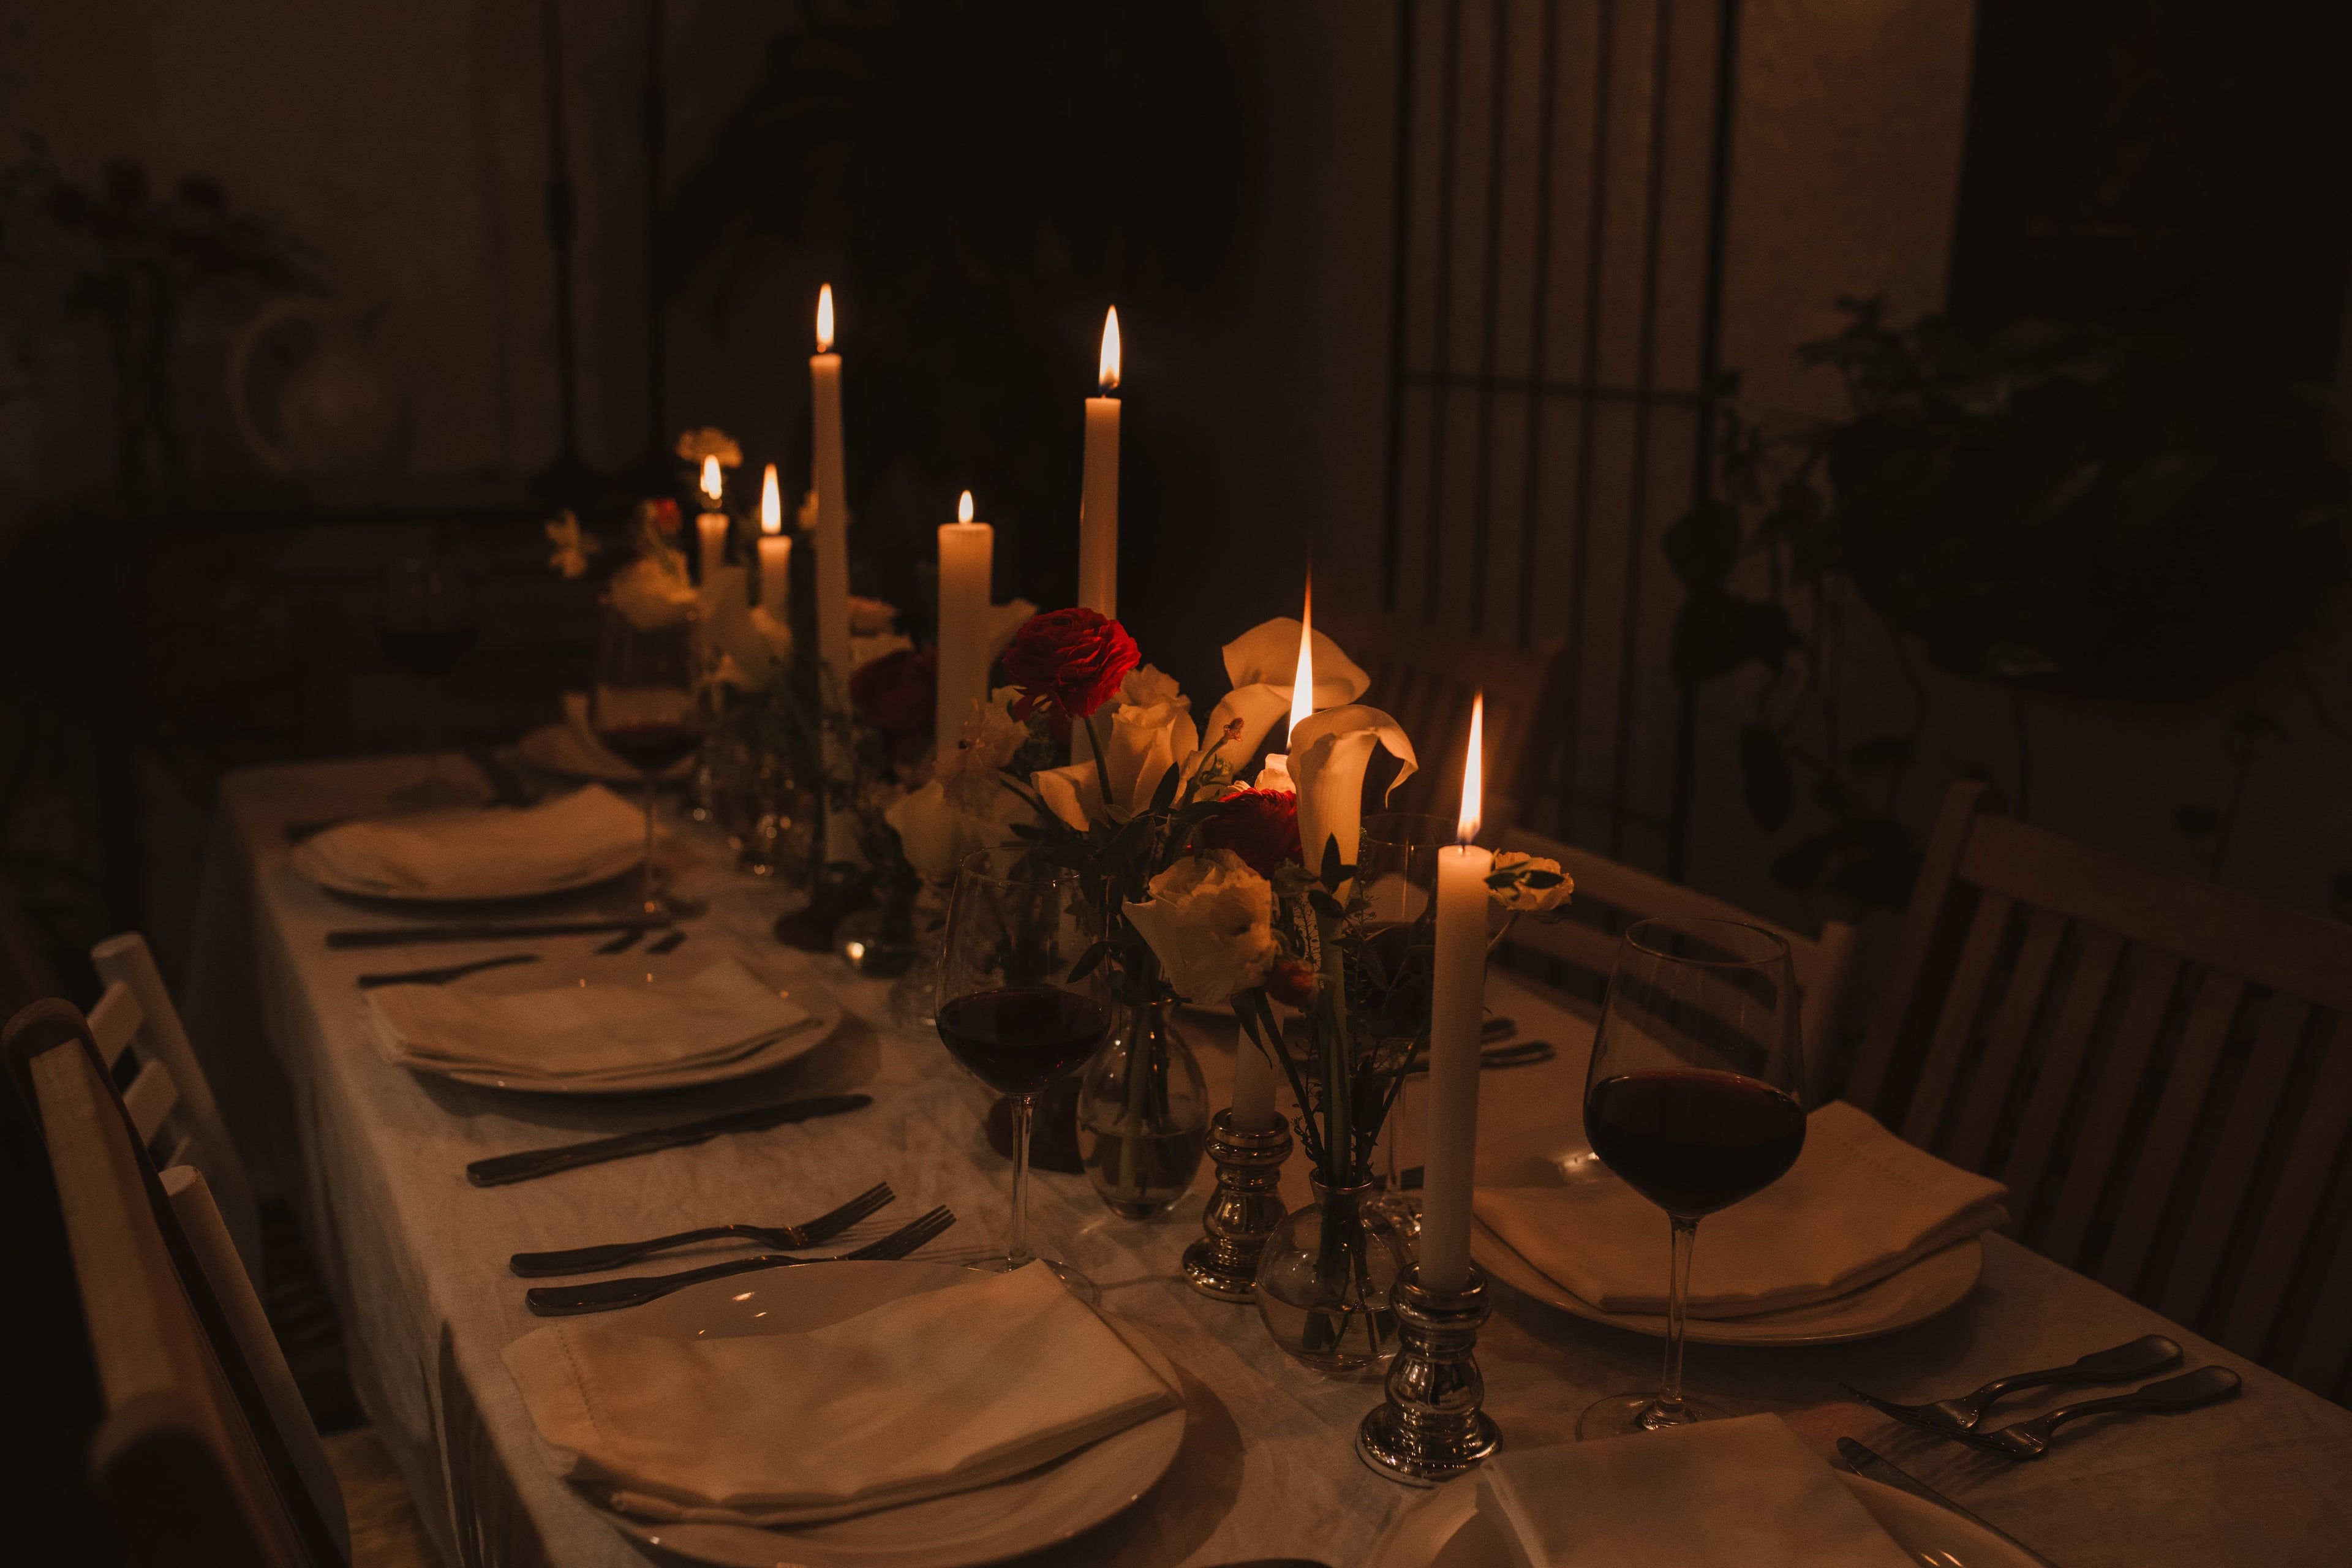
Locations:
column 1242, row 1213
column 1431, row 1429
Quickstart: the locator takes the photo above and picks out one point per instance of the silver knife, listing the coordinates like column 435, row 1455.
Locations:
column 1863, row 1462
column 489, row 930
column 501, row 1169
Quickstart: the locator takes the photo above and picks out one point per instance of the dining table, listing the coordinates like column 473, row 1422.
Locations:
column 372, row 1158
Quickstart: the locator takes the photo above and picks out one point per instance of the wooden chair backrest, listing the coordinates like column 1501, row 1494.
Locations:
column 2160, row 1069
column 1611, row 895
column 169, row 1099
column 187, row 1467
column 1423, row 677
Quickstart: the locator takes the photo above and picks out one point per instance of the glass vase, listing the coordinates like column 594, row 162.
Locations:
column 1324, row 1280
column 1143, row 1114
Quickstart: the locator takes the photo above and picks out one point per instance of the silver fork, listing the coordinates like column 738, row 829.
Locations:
column 605, row 1295
column 783, row 1239
column 2031, row 1439
column 1952, row 1417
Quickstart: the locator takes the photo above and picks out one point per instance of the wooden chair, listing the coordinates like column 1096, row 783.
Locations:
column 1611, row 896
column 1423, row 677
column 183, row 1469
column 171, row 1102
column 2158, row 1067
column 206, row 1454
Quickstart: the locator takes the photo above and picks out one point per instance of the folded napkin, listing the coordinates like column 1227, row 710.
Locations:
column 1858, row 1204
column 1745, row 1492
column 920, row 1396
column 473, row 852
column 580, row 1031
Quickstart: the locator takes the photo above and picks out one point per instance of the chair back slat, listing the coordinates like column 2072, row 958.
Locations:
column 124, row 962
column 2060, row 1069
column 2302, row 1187
column 2222, row 1191
column 151, row 1097
column 2005, row 1047
column 2159, row 1068
column 2209, row 1021
column 2100, row 1132
column 116, row 1021
column 1937, row 1073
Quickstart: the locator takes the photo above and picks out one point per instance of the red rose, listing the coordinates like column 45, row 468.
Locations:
column 1292, row 983
column 898, row 696
column 1069, row 660
column 664, row 515
column 1261, row 825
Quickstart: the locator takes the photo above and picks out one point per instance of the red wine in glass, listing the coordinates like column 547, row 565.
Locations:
column 651, row 748
column 1693, row 1141
column 427, row 652
column 1020, row 1039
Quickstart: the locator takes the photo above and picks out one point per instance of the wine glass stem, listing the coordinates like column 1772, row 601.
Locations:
column 1017, row 1244
column 646, row 873
column 1670, row 1391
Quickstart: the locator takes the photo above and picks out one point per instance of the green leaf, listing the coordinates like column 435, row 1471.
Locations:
column 1766, row 782
column 1703, row 544
column 1164, row 795
column 1334, row 871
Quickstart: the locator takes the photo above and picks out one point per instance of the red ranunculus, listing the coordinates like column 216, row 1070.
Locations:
column 1070, row 661
column 1291, row 983
column 897, row 695
column 1261, row 825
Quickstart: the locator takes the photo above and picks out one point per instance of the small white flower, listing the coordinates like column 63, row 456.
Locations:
column 572, row 547
column 710, row 442
column 651, row 594
column 1529, row 884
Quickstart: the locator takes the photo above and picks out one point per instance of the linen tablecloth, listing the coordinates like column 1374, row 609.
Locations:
column 373, row 1158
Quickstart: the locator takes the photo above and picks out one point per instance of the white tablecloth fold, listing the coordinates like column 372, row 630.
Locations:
column 476, row 852
column 1745, row 1492
column 920, row 1396
column 1858, row 1204
column 579, row 1033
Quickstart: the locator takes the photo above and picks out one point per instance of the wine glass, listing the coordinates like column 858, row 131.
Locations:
column 646, row 710
column 1692, row 1098
column 426, row 625
column 1010, row 1007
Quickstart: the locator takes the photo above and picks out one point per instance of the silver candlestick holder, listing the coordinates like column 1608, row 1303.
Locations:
column 1431, row 1429
column 1242, row 1211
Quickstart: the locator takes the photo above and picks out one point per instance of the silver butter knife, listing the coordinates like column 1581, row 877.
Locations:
column 1866, row 1464
column 501, row 1169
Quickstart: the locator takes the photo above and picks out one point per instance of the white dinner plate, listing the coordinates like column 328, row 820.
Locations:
column 618, row 860
column 638, row 968
column 1909, row 1295
column 1445, row 1531
column 987, row 1524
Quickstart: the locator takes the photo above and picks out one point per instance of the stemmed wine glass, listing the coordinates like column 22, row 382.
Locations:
column 1692, row 1097
column 645, row 708
column 427, row 624
column 1010, row 1008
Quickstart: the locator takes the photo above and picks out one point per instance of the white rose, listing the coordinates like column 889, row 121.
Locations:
column 937, row 832
column 651, row 595
column 1146, row 731
column 1210, row 920
column 1529, row 884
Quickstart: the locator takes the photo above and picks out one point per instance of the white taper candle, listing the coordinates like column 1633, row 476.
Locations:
column 1457, row 1005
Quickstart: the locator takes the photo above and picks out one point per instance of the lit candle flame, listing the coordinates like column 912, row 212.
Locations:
column 963, row 508
column 825, row 320
column 712, row 484
column 771, row 503
column 1107, row 371
column 1302, row 680
column 1472, row 771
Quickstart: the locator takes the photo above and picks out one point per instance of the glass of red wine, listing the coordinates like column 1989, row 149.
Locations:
column 427, row 624
column 646, row 710
column 1019, row 1003
column 1692, row 1098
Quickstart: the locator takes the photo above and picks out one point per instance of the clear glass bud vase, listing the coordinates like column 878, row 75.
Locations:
column 1143, row 1114
column 1323, row 1281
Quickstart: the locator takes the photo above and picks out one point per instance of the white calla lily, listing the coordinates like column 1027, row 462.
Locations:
column 1263, row 663
column 1328, row 754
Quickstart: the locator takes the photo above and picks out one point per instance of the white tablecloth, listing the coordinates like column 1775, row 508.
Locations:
column 374, row 1158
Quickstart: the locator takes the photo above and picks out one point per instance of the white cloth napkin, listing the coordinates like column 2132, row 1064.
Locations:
column 471, row 852
column 579, row 1032
column 1858, row 1204
column 1745, row 1492
column 920, row 1396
